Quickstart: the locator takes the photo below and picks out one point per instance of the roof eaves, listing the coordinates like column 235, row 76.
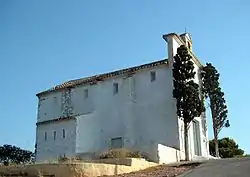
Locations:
column 101, row 77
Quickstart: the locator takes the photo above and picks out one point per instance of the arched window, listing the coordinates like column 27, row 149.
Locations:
column 189, row 45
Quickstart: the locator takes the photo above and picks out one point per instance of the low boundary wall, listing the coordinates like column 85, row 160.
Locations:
column 93, row 169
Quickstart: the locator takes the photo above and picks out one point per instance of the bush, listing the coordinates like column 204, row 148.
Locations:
column 120, row 153
column 65, row 159
column 62, row 159
column 6, row 163
column 135, row 154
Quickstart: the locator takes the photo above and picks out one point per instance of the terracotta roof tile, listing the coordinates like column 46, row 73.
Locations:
column 101, row 77
column 55, row 120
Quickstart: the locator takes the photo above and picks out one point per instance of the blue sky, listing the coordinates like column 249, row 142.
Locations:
column 43, row 43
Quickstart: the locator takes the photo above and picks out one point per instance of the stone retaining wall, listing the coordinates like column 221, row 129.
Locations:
column 93, row 169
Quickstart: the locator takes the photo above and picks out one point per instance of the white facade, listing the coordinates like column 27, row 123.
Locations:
column 136, row 106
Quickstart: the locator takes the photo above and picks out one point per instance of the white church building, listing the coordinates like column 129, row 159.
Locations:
column 130, row 108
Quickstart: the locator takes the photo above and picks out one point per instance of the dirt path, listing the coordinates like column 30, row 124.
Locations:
column 159, row 171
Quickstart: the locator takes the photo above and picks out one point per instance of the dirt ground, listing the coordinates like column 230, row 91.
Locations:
column 159, row 171
column 156, row 171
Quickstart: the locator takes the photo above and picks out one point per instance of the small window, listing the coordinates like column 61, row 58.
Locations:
column 115, row 88
column 152, row 76
column 45, row 136
column 189, row 45
column 116, row 143
column 63, row 133
column 86, row 93
column 55, row 100
column 54, row 135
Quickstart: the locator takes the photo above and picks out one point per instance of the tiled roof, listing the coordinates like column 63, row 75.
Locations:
column 55, row 120
column 101, row 77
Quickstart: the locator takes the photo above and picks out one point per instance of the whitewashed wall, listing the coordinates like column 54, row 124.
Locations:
column 88, row 133
column 49, row 107
column 50, row 149
column 106, row 119
column 156, row 120
column 140, row 113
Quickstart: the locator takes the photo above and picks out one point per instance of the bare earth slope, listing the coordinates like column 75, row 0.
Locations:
column 159, row 171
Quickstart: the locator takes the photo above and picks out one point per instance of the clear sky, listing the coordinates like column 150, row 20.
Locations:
column 43, row 43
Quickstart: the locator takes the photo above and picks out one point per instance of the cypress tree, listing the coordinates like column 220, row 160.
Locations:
column 189, row 103
column 213, row 93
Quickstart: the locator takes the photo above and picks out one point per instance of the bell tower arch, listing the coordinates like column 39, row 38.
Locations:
column 187, row 40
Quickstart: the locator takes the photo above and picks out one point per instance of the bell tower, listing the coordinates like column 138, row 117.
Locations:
column 187, row 40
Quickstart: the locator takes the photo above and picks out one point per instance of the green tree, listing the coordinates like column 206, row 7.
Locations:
column 212, row 91
column 186, row 92
column 227, row 148
column 13, row 154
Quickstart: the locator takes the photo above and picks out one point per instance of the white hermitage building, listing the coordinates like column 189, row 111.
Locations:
column 131, row 108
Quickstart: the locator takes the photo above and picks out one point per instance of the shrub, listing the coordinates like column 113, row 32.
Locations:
column 120, row 153
column 6, row 163
column 135, row 154
column 65, row 159
column 62, row 159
